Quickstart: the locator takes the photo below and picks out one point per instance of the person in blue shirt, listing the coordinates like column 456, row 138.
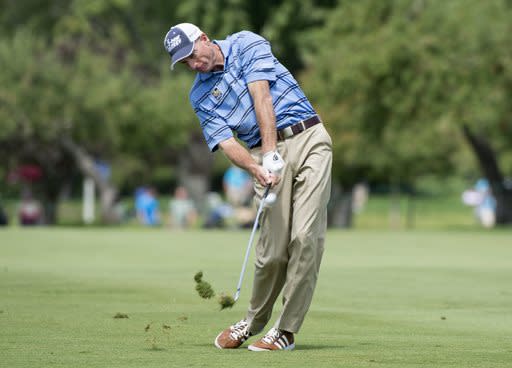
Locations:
column 251, row 107
column 486, row 209
column 237, row 186
column 147, row 206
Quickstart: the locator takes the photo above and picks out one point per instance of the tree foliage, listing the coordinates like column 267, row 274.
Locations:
column 394, row 80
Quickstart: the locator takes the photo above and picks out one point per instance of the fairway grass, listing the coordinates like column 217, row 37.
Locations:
column 384, row 299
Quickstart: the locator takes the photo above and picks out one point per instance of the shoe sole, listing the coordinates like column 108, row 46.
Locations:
column 216, row 343
column 255, row 348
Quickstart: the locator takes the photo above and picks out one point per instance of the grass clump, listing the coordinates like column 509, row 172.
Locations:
column 205, row 291
column 203, row 288
column 120, row 315
column 226, row 301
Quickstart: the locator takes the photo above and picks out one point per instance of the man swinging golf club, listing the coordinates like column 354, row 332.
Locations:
column 241, row 87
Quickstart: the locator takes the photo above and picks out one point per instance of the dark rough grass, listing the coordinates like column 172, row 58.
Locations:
column 384, row 299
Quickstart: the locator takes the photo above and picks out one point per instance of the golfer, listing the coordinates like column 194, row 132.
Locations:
column 242, row 88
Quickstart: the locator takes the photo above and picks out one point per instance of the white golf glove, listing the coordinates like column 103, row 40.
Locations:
column 273, row 162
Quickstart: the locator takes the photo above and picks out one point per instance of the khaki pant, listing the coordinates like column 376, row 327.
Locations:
column 291, row 243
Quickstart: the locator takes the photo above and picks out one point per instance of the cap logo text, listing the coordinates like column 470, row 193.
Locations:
column 175, row 41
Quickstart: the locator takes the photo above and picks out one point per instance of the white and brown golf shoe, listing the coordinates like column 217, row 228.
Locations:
column 233, row 336
column 275, row 339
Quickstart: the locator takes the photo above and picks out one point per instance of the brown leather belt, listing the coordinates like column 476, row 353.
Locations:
column 295, row 129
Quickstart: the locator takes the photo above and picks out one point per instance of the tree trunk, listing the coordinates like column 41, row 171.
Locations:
column 395, row 211
column 340, row 207
column 49, row 188
column 49, row 210
column 108, row 193
column 411, row 211
column 195, row 170
column 489, row 165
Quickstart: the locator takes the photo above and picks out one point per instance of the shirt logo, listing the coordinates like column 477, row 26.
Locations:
column 216, row 93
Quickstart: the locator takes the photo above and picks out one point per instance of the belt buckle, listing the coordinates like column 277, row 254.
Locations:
column 294, row 129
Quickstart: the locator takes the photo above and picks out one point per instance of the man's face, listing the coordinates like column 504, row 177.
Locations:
column 202, row 59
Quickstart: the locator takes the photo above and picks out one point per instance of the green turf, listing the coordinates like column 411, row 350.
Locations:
column 384, row 299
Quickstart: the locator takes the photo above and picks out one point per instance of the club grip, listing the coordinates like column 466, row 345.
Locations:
column 267, row 190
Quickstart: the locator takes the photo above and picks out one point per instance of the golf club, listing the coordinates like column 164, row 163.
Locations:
column 247, row 252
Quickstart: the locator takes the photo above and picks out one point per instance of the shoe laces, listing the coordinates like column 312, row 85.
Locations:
column 272, row 335
column 240, row 330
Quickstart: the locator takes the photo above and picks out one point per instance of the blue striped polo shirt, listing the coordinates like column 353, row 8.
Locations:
column 222, row 102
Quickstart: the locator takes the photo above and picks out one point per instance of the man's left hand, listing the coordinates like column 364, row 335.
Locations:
column 273, row 162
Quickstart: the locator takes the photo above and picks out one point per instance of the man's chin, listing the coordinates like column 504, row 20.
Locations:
column 204, row 69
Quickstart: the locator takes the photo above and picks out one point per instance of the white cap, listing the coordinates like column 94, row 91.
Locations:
column 179, row 41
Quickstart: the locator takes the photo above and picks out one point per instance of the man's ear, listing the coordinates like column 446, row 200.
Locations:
column 204, row 37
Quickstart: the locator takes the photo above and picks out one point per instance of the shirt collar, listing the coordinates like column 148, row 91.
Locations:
column 225, row 47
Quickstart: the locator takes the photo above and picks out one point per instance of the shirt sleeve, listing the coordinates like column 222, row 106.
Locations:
column 257, row 59
column 215, row 129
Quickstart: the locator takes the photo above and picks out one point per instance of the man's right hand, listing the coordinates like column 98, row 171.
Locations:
column 264, row 176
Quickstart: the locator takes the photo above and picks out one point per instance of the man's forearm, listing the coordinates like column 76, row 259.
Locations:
column 238, row 155
column 267, row 124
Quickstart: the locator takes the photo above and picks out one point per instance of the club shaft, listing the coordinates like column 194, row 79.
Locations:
column 248, row 250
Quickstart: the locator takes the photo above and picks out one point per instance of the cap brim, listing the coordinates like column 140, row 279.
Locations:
column 182, row 54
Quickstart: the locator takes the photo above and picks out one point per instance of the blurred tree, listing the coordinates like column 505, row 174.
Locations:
column 26, row 134
column 280, row 21
column 117, row 100
column 397, row 80
column 142, row 25
column 79, row 102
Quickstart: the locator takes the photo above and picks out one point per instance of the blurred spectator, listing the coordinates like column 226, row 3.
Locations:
column 147, row 206
column 121, row 212
column 218, row 211
column 237, row 186
column 359, row 197
column 482, row 199
column 182, row 211
column 30, row 210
